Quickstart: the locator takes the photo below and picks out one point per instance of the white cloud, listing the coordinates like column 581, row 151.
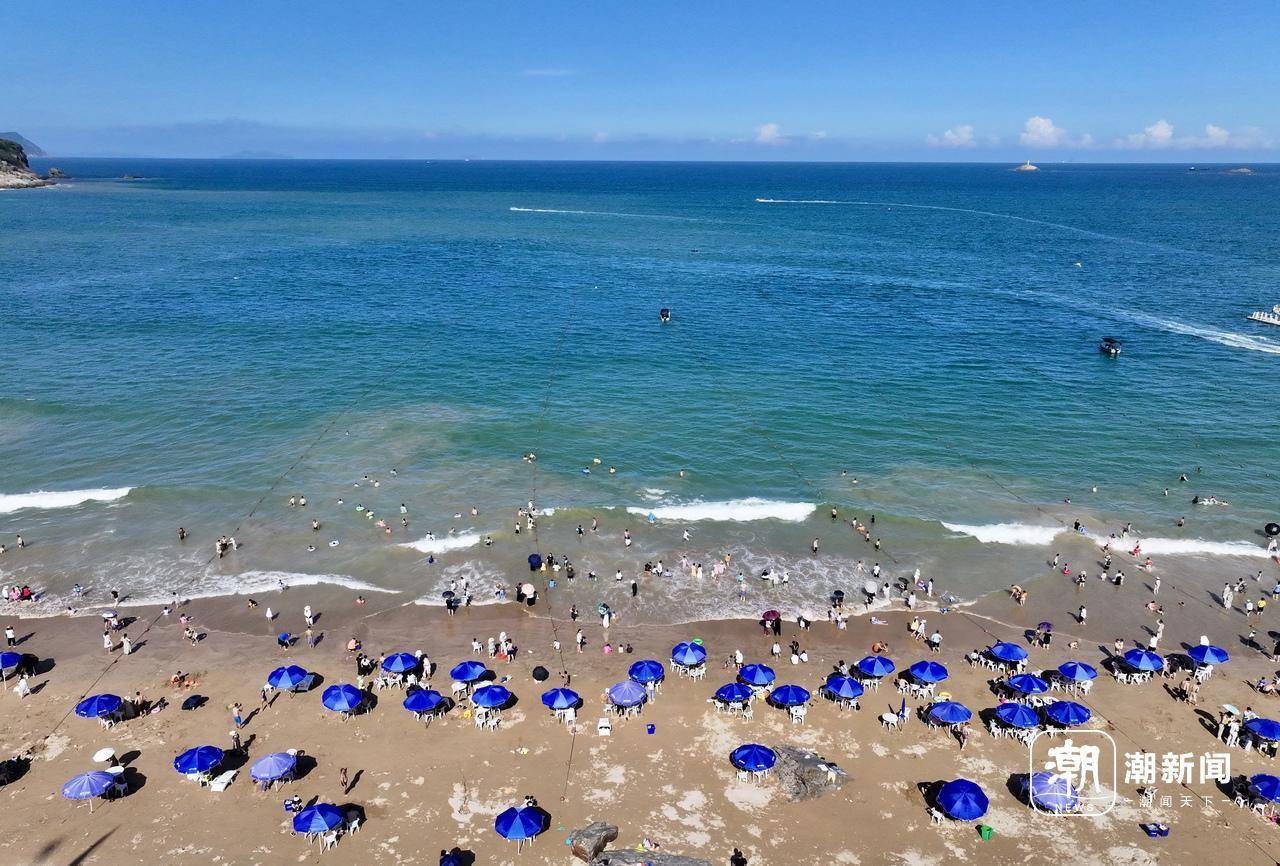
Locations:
column 956, row 136
column 769, row 133
column 1216, row 136
column 1160, row 136
column 600, row 137
column 547, row 73
column 1041, row 132
column 1157, row 135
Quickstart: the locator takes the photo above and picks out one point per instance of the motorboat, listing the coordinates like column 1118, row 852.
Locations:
column 1109, row 346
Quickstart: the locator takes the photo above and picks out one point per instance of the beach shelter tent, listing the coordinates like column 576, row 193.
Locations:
column 962, row 800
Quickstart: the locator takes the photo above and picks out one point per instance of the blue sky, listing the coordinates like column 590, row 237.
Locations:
column 1087, row 81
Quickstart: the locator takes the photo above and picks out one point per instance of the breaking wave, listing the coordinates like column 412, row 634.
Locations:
column 733, row 510
column 47, row 499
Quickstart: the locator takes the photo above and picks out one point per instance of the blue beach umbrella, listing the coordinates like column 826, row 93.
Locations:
column 423, row 700
column 753, row 757
column 1078, row 672
column 344, row 698
column 689, row 655
column 789, row 696
column 1266, row 786
column 733, row 693
column 1008, row 652
column 1018, row 715
column 97, row 706
column 1143, row 660
column 468, row 672
column 756, row 675
column 1050, row 792
column 286, row 678
column 9, row 660
column 950, row 713
column 876, row 666
column 277, row 765
column 1028, row 684
column 1068, row 713
column 491, row 697
column 844, row 688
column 627, row 693
column 201, row 759
column 399, row 663
column 1264, row 728
column 647, row 671
column 1207, row 654
column 88, row 785
column 320, row 818
column 520, row 824
column 560, row 699
column 928, row 672
column 962, row 800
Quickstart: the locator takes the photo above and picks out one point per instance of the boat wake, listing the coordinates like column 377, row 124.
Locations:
column 1213, row 335
column 644, row 216
column 48, row 499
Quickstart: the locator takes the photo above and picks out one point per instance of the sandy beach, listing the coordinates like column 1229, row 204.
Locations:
column 428, row 788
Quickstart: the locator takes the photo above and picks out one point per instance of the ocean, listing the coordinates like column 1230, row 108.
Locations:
column 193, row 346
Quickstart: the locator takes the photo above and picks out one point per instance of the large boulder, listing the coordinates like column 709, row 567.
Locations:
column 592, row 839
column 646, row 858
column 803, row 774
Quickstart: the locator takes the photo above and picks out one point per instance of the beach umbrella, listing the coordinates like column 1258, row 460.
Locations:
column 10, row 660
column 1143, row 660
column 1208, row 654
column 756, row 675
column 789, row 696
column 1266, row 786
column 1264, row 728
column 277, row 765
column 423, row 700
column 1068, row 713
column 1028, row 684
column 733, row 693
column 647, row 671
column 201, row 759
column 1045, row 626
column 450, row 859
column 753, row 757
column 560, row 699
column 286, row 678
column 770, row 615
column 320, row 818
column 491, row 697
column 1051, row 792
column 928, row 672
column 539, row 674
column 1077, row 672
column 520, row 824
column 468, row 672
column 1018, row 715
column 1008, row 652
column 88, row 785
column 344, row 698
column 689, row 655
column 97, row 706
column 400, row 663
column 950, row 713
column 876, row 666
column 843, row 688
column 962, row 800
column 627, row 693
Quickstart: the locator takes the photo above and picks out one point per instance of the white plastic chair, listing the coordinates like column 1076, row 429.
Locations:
column 604, row 727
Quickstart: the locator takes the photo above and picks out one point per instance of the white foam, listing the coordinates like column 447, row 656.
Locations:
column 1223, row 338
column 652, row 216
column 257, row 582
column 1030, row 535
column 733, row 510
column 444, row 544
column 10, row 502
column 653, row 493
column 1023, row 534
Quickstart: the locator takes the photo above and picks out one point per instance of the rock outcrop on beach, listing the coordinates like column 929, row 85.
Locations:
column 589, row 842
column 804, row 775
column 646, row 858
column 15, row 173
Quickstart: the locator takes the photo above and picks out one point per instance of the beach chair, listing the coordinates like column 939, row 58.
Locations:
column 890, row 721
column 328, row 840
column 747, row 712
column 604, row 727
column 353, row 821
column 937, row 816
column 221, row 782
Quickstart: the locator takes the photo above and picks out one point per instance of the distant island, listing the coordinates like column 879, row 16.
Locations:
column 1241, row 170
column 15, row 172
column 1027, row 166
column 26, row 144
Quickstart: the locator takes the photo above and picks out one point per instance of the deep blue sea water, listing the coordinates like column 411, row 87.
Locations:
column 930, row 329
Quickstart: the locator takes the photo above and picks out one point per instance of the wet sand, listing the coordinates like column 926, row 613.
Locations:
column 429, row 788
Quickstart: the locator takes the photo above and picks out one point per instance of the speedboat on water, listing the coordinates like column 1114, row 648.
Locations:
column 1109, row 346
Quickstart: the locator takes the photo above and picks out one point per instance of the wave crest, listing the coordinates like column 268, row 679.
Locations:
column 47, row 499
column 444, row 544
column 730, row 511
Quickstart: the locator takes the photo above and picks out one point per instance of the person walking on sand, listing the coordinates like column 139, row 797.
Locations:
column 235, row 741
column 1155, row 586
column 126, row 646
column 236, row 717
column 10, row 637
column 1082, row 614
column 107, row 643
column 342, row 780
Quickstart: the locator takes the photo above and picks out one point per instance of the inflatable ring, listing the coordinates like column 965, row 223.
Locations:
column 1272, row 529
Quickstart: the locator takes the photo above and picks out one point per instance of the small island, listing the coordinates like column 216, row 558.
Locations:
column 1027, row 166
column 15, row 172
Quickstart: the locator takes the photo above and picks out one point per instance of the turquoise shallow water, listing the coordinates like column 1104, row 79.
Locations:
column 193, row 333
